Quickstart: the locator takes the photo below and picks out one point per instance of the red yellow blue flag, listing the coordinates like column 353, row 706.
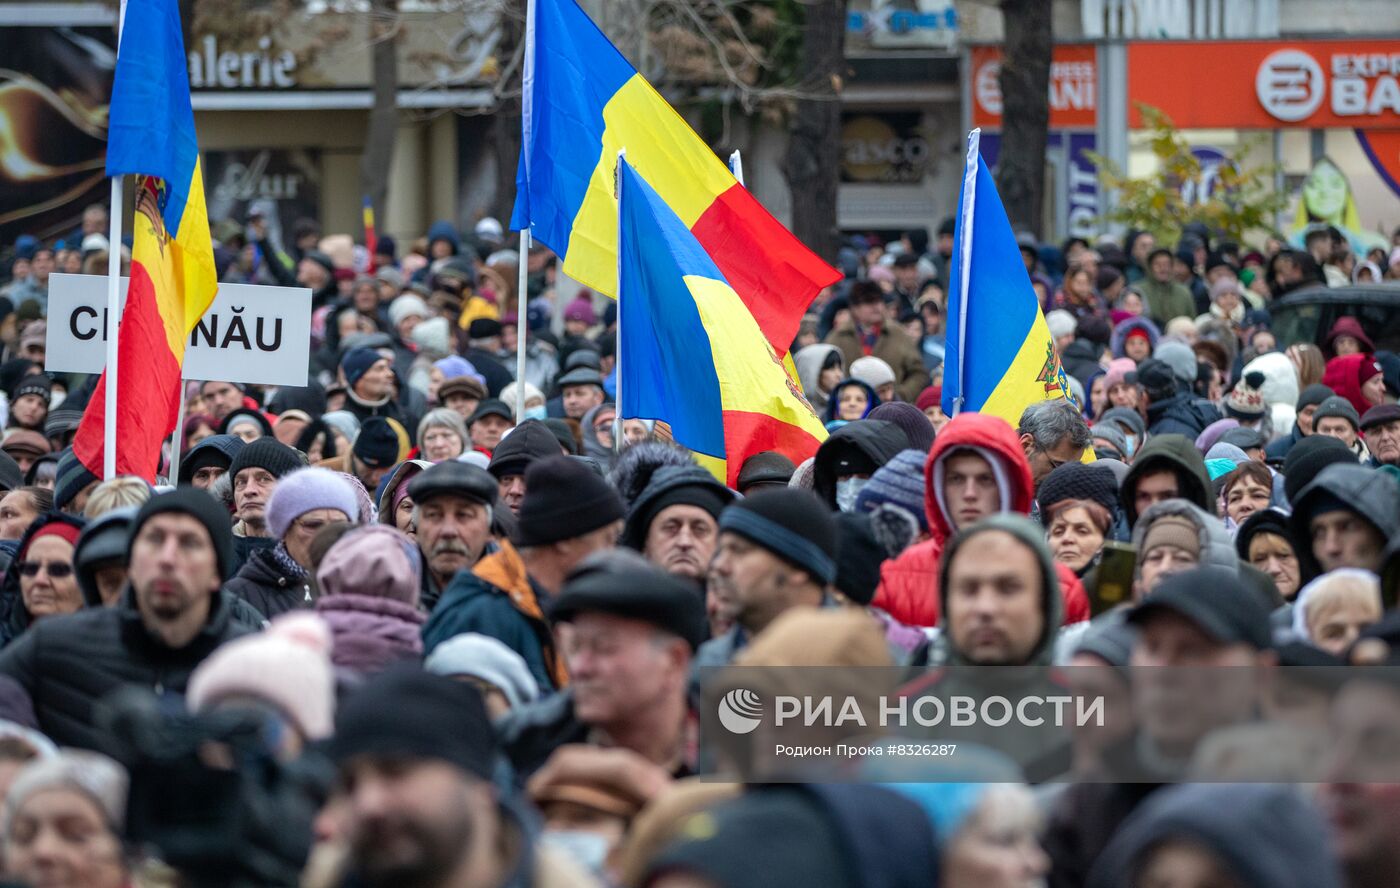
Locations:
column 151, row 135
column 1000, row 357
column 689, row 352
column 581, row 104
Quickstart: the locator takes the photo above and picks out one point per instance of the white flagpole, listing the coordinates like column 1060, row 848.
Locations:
column 177, row 438
column 521, row 327
column 736, row 166
column 965, row 255
column 114, row 306
column 617, row 352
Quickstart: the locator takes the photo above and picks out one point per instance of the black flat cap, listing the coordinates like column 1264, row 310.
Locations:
column 453, row 478
column 491, row 407
column 624, row 584
column 1216, row 601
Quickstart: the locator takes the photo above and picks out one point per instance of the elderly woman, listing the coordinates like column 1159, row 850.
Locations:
column 1077, row 506
column 63, row 822
column 534, row 401
column 1332, row 610
column 442, row 435
column 1264, row 542
column 40, row 582
column 1246, row 490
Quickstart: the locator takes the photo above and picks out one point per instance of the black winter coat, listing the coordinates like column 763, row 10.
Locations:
column 68, row 664
column 268, row 587
column 1178, row 415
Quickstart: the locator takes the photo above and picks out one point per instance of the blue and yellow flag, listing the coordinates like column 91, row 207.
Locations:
column 1000, row 357
column 581, row 104
column 151, row 134
column 690, row 353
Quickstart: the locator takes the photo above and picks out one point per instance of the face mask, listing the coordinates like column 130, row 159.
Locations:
column 586, row 848
column 846, row 491
column 535, row 413
column 1132, row 445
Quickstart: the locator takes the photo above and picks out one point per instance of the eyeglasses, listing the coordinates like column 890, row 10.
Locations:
column 1054, row 463
column 55, row 569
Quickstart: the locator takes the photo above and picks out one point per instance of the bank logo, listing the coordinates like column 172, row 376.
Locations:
column 1290, row 85
column 740, row 711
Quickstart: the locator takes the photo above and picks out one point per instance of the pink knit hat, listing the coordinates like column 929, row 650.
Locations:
column 1118, row 369
column 287, row 666
column 374, row 560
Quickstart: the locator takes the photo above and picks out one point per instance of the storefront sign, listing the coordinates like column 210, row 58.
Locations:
column 1073, row 87
column 286, row 183
column 1078, row 186
column 250, row 334
column 883, row 148
column 892, row 24
column 1252, row 84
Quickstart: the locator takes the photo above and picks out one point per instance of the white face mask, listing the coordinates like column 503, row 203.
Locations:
column 846, row 491
column 586, row 848
column 535, row 413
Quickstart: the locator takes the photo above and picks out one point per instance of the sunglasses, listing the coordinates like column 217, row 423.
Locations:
column 56, row 569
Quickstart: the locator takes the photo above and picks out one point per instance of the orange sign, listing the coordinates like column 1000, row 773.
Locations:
column 1074, row 99
column 1248, row 84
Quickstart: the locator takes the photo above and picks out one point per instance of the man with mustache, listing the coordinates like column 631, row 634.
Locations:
column 452, row 506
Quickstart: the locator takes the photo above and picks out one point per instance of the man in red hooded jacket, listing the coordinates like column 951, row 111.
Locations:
column 976, row 468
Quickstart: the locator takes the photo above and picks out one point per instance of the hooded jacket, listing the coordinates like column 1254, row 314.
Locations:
column 1280, row 389
column 1217, row 550
column 498, row 598
column 1181, row 414
column 809, row 361
column 909, row 585
column 1120, row 334
column 67, row 666
column 1267, row 836
column 1346, row 327
column 1343, row 376
column 1039, row 758
column 14, row 616
column 384, row 503
column 1370, row 493
column 833, row 404
column 591, row 445
column 1178, row 454
column 873, row 438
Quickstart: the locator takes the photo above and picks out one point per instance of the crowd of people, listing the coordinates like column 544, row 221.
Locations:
column 392, row 628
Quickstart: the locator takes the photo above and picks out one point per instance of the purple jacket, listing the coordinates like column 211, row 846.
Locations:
column 370, row 633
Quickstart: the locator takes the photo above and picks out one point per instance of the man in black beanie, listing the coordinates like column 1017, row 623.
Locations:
column 777, row 551
column 171, row 616
column 569, row 512
column 415, row 754
column 1311, row 456
column 254, row 473
column 527, row 442
column 675, row 521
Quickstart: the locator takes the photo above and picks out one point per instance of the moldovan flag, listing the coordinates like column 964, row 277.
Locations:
column 582, row 103
column 151, row 135
column 689, row 352
column 1000, row 357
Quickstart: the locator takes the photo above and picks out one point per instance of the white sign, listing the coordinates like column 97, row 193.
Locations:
column 259, row 335
column 1289, row 85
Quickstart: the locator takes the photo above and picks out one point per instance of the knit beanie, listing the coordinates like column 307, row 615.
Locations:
column 1313, row 394
column 872, row 371
column 1246, row 399
column 486, row 658
column 306, row 490
column 673, row 486
column 1077, row 481
column 405, row 306
column 1310, row 456
column 1337, row 407
column 287, row 666
column 1117, row 373
column 33, row 384
column 269, row 454
column 910, row 419
column 357, row 362
column 1179, row 357
column 378, row 445
column 899, row 482
column 90, row 773
column 793, row 524
column 564, row 499
column 531, row 440
column 201, row 507
column 1110, row 432
column 1125, row 416
column 1172, row 530
column 72, row 476
column 858, row 557
column 406, row 713
column 929, row 397
column 215, row 450
column 376, row 560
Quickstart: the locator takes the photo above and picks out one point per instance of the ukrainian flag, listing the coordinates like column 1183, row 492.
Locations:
column 173, row 281
column 689, row 352
column 1000, row 357
column 581, row 104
